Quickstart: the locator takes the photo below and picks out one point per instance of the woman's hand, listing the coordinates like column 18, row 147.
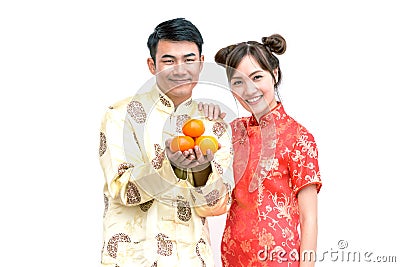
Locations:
column 211, row 111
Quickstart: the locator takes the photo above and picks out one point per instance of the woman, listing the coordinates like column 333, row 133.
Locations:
column 275, row 164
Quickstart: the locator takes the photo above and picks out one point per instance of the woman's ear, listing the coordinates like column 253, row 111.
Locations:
column 151, row 65
column 276, row 74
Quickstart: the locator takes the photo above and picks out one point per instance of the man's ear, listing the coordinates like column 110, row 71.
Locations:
column 201, row 62
column 151, row 65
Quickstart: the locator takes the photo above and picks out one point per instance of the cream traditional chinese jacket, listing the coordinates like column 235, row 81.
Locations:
column 151, row 217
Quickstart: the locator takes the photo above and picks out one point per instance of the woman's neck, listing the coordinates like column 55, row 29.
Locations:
column 271, row 107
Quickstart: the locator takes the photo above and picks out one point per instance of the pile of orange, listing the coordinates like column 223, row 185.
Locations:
column 193, row 130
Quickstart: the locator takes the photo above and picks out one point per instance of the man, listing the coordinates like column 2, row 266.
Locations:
column 156, row 201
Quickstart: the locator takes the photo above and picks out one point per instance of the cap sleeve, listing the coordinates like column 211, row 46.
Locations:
column 303, row 163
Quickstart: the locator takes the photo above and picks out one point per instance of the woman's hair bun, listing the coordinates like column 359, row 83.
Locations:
column 222, row 54
column 276, row 43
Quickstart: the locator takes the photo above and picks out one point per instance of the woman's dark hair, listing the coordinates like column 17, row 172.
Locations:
column 263, row 53
column 178, row 29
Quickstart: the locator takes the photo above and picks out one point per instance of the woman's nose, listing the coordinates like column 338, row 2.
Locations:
column 250, row 88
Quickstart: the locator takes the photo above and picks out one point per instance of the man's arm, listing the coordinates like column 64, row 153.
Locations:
column 200, row 176
column 214, row 197
column 130, row 178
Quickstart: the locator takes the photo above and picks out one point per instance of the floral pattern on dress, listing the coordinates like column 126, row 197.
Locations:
column 132, row 194
column 212, row 198
column 200, row 247
column 184, row 212
column 123, row 167
column 218, row 167
column 219, row 128
column 106, row 204
column 112, row 246
column 264, row 223
column 157, row 161
column 180, row 120
column 164, row 245
column 146, row 205
column 164, row 101
column 103, row 144
column 136, row 111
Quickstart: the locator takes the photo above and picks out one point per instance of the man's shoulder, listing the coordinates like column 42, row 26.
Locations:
column 121, row 104
column 124, row 102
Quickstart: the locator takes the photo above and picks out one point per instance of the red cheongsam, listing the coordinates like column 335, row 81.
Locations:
column 273, row 160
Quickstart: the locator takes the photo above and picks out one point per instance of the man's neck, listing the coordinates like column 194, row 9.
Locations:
column 178, row 101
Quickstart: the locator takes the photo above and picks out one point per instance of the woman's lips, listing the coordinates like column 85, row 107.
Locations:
column 254, row 100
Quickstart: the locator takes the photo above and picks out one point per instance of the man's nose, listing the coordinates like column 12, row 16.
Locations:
column 179, row 69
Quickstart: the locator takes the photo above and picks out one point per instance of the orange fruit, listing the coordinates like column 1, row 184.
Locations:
column 206, row 142
column 193, row 128
column 181, row 143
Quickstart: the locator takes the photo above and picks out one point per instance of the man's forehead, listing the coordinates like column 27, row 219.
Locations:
column 177, row 49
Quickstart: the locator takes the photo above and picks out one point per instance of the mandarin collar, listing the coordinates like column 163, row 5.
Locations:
column 272, row 114
column 164, row 103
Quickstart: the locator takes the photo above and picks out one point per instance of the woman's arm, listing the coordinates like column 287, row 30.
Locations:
column 308, row 209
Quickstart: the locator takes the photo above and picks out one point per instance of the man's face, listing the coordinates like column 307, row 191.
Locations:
column 177, row 68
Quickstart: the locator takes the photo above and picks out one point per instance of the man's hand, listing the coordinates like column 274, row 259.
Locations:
column 211, row 111
column 193, row 159
column 182, row 160
column 203, row 160
column 189, row 159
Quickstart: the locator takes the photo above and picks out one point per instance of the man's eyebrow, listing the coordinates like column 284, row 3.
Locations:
column 190, row 55
column 171, row 56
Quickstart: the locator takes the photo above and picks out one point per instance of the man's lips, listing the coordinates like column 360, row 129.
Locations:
column 180, row 81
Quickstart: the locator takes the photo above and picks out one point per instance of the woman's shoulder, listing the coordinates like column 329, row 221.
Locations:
column 290, row 126
column 239, row 122
column 239, row 128
column 301, row 129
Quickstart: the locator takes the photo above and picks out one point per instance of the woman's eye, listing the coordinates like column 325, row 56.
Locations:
column 236, row 83
column 257, row 77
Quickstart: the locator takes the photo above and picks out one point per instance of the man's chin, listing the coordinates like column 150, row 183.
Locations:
column 184, row 84
column 182, row 88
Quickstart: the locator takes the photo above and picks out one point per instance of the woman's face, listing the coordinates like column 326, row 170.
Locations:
column 253, row 87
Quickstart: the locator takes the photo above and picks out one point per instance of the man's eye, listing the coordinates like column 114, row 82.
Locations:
column 190, row 60
column 169, row 61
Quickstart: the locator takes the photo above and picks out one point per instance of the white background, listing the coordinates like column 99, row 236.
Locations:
column 63, row 62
